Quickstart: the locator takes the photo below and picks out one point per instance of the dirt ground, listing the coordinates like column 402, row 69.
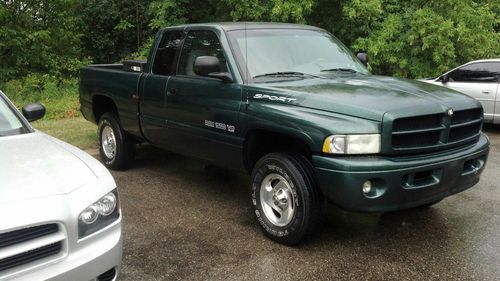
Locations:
column 184, row 221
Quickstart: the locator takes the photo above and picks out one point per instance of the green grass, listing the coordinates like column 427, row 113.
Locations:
column 77, row 131
column 60, row 98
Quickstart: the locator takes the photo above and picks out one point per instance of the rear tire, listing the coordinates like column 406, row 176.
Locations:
column 117, row 150
column 284, row 197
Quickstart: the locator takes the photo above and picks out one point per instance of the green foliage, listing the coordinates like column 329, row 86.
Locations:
column 60, row 97
column 272, row 10
column 171, row 12
column 425, row 38
column 168, row 12
column 113, row 29
column 404, row 38
column 39, row 36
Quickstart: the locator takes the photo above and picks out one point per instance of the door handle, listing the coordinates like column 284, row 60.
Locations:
column 172, row 92
column 486, row 91
column 135, row 98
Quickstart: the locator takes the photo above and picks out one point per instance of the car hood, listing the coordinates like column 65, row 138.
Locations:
column 364, row 96
column 36, row 165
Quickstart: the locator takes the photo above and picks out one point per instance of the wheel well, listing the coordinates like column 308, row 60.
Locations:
column 260, row 142
column 101, row 105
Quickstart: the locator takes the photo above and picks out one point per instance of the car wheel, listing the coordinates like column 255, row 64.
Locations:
column 284, row 197
column 116, row 148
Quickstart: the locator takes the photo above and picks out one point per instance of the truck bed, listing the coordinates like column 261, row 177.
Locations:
column 112, row 81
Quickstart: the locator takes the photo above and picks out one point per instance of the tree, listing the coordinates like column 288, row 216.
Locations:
column 272, row 10
column 425, row 38
column 404, row 38
column 39, row 36
column 114, row 28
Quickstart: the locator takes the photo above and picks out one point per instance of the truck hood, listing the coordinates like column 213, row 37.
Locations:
column 364, row 96
column 36, row 165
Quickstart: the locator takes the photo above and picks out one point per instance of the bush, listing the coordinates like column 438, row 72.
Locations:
column 60, row 97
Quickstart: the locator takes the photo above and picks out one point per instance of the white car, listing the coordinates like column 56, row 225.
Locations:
column 478, row 79
column 59, row 212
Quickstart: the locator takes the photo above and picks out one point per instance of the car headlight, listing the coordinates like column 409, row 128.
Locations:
column 352, row 144
column 99, row 215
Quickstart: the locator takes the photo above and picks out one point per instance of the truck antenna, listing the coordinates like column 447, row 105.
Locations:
column 246, row 64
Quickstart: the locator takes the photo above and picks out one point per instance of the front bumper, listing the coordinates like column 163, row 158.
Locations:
column 78, row 259
column 399, row 182
column 101, row 256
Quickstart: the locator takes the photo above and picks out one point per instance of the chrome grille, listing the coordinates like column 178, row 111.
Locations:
column 436, row 131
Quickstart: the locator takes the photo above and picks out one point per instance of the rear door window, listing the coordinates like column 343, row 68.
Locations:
column 477, row 72
column 164, row 62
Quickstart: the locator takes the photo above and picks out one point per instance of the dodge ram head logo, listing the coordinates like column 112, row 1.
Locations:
column 450, row 112
column 273, row 98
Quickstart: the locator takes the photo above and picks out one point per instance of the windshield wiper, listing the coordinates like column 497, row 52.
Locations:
column 287, row 74
column 339, row 70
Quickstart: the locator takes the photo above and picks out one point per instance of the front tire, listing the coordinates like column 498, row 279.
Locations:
column 117, row 150
column 284, row 197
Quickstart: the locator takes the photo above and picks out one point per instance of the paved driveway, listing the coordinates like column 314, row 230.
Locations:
column 183, row 221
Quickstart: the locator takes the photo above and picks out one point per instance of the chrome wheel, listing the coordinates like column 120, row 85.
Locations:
column 108, row 142
column 277, row 200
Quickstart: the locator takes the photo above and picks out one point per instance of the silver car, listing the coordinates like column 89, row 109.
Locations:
column 59, row 212
column 478, row 79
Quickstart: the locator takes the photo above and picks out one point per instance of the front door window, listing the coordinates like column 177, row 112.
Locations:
column 200, row 43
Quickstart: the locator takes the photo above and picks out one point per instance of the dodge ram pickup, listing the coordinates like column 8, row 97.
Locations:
column 292, row 106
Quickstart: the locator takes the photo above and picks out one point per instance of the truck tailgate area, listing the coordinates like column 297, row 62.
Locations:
column 102, row 82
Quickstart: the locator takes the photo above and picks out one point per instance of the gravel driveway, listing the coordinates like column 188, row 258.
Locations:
column 186, row 221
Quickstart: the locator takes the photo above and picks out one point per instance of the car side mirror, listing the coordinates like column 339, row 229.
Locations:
column 445, row 78
column 363, row 57
column 33, row 111
column 209, row 66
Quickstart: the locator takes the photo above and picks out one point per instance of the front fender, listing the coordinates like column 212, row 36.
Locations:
column 309, row 125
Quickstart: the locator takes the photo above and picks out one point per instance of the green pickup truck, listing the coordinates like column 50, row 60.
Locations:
column 291, row 105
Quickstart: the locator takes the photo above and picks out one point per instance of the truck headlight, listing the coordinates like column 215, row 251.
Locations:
column 352, row 144
column 99, row 215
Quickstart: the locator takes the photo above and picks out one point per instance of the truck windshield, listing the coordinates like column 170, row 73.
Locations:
column 277, row 53
column 9, row 122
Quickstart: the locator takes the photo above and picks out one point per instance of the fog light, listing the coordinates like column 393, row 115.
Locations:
column 367, row 187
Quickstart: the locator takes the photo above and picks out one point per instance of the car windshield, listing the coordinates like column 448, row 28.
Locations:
column 10, row 124
column 282, row 54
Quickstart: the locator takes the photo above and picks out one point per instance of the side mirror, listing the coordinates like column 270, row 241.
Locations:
column 445, row 78
column 33, row 111
column 363, row 57
column 209, row 66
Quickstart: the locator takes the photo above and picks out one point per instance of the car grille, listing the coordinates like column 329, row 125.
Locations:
column 28, row 245
column 30, row 256
column 25, row 234
column 436, row 131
